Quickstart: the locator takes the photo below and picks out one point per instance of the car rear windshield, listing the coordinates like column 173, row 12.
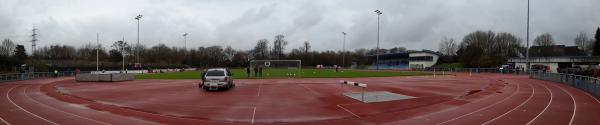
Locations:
column 215, row 73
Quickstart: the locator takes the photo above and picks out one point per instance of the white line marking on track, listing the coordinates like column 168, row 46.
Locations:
column 309, row 89
column 10, row 100
column 25, row 92
column 259, row 86
column 533, row 93
column 253, row 114
column 548, row 105
column 348, row 111
column 511, row 95
column 592, row 97
column 4, row 121
column 574, row 103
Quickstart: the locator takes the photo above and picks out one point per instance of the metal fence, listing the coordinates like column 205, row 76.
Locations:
column 33, row 75
column 475, row 70
column 585, row 83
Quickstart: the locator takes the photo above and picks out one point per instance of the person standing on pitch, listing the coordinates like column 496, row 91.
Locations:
column 260, row 69
column 248, row 72
column 255, row 71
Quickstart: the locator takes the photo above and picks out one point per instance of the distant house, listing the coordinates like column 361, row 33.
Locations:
column 556, row 57
column 555, row 51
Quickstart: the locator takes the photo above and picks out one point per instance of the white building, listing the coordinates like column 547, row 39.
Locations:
column 422, row 59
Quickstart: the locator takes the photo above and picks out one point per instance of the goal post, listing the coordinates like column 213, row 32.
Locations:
column 279, row 68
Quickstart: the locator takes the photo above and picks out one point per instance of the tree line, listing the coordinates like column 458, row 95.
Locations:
column 477, row 49
column 487, row 49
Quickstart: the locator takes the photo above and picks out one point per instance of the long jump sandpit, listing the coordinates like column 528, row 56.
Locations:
column 453, row 99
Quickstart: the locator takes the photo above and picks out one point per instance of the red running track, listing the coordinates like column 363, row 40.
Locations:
column 460, row 99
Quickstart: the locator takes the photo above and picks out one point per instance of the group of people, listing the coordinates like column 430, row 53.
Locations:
column 258, row 71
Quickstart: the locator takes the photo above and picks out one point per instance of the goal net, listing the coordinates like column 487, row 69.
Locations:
column 278, row 68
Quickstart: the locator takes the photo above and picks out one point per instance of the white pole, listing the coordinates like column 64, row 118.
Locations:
column 363, row 95
column 97, row 49
column 123, row 55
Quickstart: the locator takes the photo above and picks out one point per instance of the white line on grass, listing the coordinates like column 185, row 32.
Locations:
column 25, row 92
column 533, row 93
column 548, row 105
column 10, row 100
column 514, row 93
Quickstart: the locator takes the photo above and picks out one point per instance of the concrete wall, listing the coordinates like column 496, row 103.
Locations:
column 425, row 64
column 104, row 77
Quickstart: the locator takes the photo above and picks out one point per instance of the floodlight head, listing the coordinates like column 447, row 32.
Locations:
column 138, row 17
column 185, row 34
column 344, row 33
column 378, row 12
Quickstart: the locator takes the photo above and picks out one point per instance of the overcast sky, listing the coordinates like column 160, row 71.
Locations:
column 414, row 24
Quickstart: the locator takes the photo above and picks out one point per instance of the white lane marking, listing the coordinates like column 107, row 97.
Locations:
column 29, row 97
column 4, row 121
column 533, row 93
column 513, row 94
column 448, row 109
column 253, row 113
column 259, row 86
column 10, row 100
column 548, row 105
column 592, row 97
column 574, row 103
column 348, row 111
column 309, row 89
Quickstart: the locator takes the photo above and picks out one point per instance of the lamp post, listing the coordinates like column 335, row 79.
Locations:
column 377, row 50
column 137, row 53
column 527, row 65
column 185, row 41
column 344, row 50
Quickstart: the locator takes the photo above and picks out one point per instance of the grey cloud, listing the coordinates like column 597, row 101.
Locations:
column 415, row 24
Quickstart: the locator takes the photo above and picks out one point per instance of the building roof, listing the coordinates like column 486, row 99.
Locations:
column 555, row 51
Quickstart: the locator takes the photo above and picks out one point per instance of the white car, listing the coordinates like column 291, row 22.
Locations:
column 216, row 79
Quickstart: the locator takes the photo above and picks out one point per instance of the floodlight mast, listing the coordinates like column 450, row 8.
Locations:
column 185, row 41
column 137, row 53
column 344, row 50
column 377, row 50
column 97, row 48
column 527, row 64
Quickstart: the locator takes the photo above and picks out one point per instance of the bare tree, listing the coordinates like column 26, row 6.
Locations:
column 583, row 42
column 278, row 47
column 506, row 44
column 448, row 46
column 7, row 47
column 261, row 50
column 544, row 40
column 306, row 47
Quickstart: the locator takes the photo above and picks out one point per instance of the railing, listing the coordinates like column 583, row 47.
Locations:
column 585, row 83
column 33, row 75
column 475, row 70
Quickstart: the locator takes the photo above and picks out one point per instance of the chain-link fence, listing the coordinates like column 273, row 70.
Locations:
column 475, row 70
column 33, row 75
column 585, row 83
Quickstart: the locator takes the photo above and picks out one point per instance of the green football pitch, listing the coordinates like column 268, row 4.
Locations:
column 286, row 73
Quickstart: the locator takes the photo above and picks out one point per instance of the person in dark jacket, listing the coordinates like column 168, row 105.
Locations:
column 248, row 72
column 255, row 71
column 260, row 70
